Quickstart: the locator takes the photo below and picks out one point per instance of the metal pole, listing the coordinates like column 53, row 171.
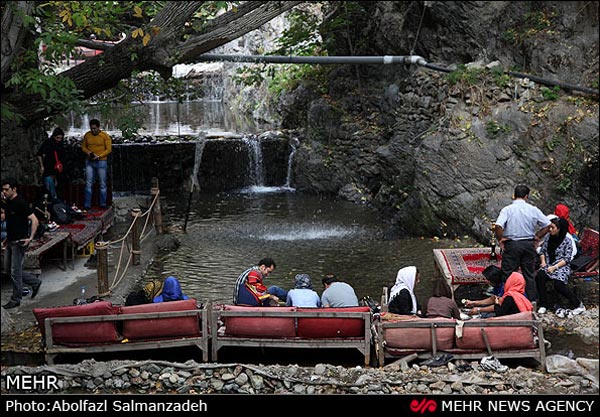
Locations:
column 156, row 212
column 102, row 257
column 135, row 237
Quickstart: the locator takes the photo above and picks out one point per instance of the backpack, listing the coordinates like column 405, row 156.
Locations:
column 61, row 213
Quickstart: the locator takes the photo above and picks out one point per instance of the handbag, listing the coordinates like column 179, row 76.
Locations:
column 58, row 166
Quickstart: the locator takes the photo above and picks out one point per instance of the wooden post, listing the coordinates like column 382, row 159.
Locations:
column 135, row 237
column 102, row 259
column 156, row 211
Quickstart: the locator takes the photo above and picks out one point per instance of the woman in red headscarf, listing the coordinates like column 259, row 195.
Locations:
column 562, row 211
column 513, row 301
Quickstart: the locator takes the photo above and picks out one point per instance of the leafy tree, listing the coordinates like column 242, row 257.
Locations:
column 134, row 37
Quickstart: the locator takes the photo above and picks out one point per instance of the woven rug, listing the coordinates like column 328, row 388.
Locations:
column 82, row 232
column 106, row 216
column 464, row 265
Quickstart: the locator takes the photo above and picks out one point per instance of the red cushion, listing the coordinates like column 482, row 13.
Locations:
column 268, row 327
column 79, row 333
column 500, row 338
column 420, row 338
column 321, row 328
column 163, row 327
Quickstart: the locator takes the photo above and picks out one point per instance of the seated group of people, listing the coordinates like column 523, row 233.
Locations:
column 250, row 290
column 508, row 297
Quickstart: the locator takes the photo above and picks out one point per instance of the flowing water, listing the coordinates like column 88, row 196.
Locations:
column 172, row 118
column 227, row 233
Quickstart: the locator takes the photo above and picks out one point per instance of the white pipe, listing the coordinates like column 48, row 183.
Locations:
column 282, row 59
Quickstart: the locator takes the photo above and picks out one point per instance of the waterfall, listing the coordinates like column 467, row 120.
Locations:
column 288, row 179
column 256, row 169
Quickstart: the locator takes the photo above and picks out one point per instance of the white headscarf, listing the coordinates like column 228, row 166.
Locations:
column 406, row 279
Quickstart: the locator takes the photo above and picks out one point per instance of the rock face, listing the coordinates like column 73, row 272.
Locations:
column 441, row 154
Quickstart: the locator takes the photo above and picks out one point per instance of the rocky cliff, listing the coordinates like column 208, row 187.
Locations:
column 441, row 153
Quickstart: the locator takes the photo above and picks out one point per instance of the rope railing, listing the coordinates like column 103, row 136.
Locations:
column 134, row 251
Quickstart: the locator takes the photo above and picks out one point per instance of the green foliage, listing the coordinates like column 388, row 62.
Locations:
column 533, row 23
column 565, row 178
column 493, row 129
column 466, row 76
column 500, row 78
column 552, row 143
column 301, row 38
column 550, row 93
column 129, row 122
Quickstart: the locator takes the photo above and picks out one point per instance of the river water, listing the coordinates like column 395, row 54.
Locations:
column 316, row 235
column 228, row 232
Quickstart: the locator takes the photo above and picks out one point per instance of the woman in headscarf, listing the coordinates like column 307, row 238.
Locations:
column 402, row 296
column 146, row 294
column 303, row 295
column 171, row 291
column 513, row 301
column 555, row 264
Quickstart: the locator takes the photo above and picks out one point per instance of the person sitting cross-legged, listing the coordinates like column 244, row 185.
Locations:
column 303, row 295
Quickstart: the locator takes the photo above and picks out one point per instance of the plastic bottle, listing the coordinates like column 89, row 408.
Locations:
column 82, row 299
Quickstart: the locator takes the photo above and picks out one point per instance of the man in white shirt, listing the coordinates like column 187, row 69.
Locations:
column 519, row 228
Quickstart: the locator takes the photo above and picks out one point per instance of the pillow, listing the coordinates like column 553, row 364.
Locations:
column 157, row 328
column 79, row 333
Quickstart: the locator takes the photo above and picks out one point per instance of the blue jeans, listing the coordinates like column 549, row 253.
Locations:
column 51, row 187
column 93, row 168
column 15, row 255
column 278, row 292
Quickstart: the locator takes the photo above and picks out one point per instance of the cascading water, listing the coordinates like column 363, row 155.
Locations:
column 288, row 179
column 256, row 168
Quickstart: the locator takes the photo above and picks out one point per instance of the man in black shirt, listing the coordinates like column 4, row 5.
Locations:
column 18, row 238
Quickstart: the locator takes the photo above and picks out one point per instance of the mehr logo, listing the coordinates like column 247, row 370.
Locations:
column 31, row 382
column 423, row 406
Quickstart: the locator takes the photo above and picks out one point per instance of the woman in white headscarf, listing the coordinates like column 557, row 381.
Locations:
column 402, row 295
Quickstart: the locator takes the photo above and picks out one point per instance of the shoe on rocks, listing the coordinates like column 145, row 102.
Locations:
column 490, row 363
column 578, row 310
column 35, row 289
column 542, row 310
column 11, row 304
column 561, row 313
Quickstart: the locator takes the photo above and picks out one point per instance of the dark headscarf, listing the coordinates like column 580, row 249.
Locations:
column 555, row 240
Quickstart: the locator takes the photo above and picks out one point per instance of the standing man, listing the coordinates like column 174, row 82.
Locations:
column 96, row 144
column 337, row 294
column 519, row 227
column 18, row 238
column 249, row 288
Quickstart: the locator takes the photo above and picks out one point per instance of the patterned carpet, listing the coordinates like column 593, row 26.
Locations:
column 465, row 265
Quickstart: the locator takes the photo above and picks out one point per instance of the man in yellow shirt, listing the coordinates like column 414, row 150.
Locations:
column 96, row 144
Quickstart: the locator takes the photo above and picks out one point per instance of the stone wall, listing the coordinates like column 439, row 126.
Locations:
column 440, row 154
